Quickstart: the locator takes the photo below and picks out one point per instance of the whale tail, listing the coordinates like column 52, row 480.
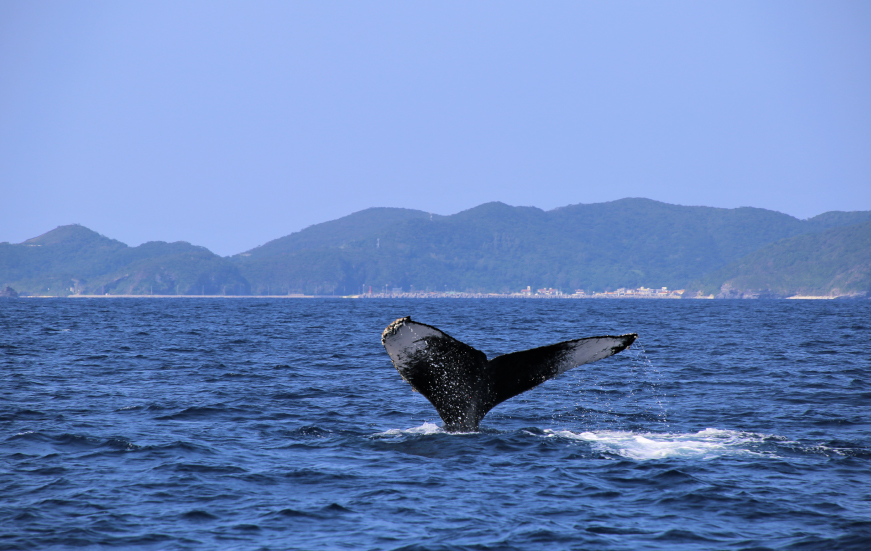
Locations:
column 464, row 385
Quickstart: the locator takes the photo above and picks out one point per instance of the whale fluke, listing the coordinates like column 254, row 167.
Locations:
column 463, row 385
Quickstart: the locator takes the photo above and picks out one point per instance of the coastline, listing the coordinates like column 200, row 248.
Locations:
column 430, row 296
column 184, row 296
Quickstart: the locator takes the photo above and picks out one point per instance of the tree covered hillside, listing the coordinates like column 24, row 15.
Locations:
column 73, row 259
column 836, row 262
column 490, row 248
column 495, row 247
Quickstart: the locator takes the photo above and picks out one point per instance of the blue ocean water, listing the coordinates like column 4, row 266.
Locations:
column 281, row 424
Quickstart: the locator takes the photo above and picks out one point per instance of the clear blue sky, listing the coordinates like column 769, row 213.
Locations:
column 228, row 124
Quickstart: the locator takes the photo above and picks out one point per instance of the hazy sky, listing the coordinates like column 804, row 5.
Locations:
column 228, row 124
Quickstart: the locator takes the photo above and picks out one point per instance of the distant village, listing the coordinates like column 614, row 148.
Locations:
column 546, row 293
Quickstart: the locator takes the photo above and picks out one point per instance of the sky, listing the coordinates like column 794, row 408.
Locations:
column 229, row 124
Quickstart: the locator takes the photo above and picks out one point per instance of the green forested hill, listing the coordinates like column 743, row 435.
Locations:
column 75, row 259
column 337, row 233
column 65, row 250
column 496, row 247
column 836, row 262
column 492, row 248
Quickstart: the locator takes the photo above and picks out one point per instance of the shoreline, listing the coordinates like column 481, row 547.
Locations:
column 186, row 296
column 431, row 297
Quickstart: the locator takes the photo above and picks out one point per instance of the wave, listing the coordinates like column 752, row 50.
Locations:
column 705, row 444
column 425, row 429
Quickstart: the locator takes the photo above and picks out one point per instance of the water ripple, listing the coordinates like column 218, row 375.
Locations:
column 173, row 424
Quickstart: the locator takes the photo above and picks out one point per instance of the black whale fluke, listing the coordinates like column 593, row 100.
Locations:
column 464, row 385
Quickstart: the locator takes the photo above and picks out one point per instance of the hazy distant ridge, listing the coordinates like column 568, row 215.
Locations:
column 73, row 259
column 496, row 247
column 492, row 248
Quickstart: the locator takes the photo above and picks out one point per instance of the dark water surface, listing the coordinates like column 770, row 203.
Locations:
column 281, row 424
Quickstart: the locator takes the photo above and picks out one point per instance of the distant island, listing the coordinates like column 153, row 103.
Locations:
column 630, row 248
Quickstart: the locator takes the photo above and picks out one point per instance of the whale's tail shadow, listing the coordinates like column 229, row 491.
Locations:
column 463, row 385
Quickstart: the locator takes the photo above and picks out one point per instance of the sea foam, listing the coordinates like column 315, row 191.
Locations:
column 426, row 428
column 705, row 444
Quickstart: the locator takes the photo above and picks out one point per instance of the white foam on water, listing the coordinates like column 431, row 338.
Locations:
column 705, row 444
column 426, row 428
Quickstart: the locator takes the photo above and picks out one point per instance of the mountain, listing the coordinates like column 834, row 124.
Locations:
column 496, row 247
column 73, row 259
column 337, row 233
column 836, row 262
column 493, row 247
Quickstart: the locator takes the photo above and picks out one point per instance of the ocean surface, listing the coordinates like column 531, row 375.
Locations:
column 282, row 424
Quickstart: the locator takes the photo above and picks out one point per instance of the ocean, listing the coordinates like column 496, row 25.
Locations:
column 281, row 424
